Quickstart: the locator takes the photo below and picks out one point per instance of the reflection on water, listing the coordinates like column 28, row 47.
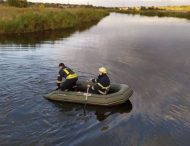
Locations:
column 101, row 112
column 32, row 39
column 150, row 54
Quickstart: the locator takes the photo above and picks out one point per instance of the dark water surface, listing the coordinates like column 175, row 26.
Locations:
column 150, row 54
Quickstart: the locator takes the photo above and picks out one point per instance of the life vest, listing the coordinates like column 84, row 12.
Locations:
column 69, row 73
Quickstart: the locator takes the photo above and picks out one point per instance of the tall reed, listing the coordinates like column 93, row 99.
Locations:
column 25, row 20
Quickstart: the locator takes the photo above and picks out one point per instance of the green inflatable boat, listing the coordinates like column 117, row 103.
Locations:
column 118, row 94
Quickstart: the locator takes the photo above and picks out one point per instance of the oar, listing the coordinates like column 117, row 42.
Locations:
column 86, row 100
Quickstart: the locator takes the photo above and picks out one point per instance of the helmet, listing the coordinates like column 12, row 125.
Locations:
column 103, row 70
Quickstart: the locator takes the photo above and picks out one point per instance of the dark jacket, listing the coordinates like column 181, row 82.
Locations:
column 102, row 83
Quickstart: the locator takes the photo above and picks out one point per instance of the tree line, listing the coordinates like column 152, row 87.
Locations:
column 15, row 3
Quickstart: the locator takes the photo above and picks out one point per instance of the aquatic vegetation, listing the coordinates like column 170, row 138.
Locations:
column 35, row 19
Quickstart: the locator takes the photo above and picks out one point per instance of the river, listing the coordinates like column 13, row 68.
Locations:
column 150, row 54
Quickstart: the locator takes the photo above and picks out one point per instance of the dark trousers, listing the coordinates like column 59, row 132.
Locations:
column 93, row 90
column 68, row 84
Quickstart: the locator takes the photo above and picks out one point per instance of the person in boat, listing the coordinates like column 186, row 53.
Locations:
column 102, row 83
column 70, row 78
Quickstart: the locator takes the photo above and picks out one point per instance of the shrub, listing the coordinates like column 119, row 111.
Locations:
column 17, row 3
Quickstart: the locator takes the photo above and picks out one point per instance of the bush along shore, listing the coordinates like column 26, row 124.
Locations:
column 26, row 20
column 170, row 11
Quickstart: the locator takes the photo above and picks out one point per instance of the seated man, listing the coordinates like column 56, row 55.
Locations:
column 70, row 76
column 102, row 83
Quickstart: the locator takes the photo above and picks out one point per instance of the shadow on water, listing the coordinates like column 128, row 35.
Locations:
column 32, row 39
column 101, row 112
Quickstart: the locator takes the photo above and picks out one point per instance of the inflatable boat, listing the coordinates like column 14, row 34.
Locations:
column 118, row 94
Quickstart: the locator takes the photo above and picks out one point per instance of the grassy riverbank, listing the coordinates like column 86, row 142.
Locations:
column 176, row 8
column 169, row 11
column 38, row 19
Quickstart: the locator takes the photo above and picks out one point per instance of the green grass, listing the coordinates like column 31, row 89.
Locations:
column 185, row 15
column 25, row 20
column 170, row 11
